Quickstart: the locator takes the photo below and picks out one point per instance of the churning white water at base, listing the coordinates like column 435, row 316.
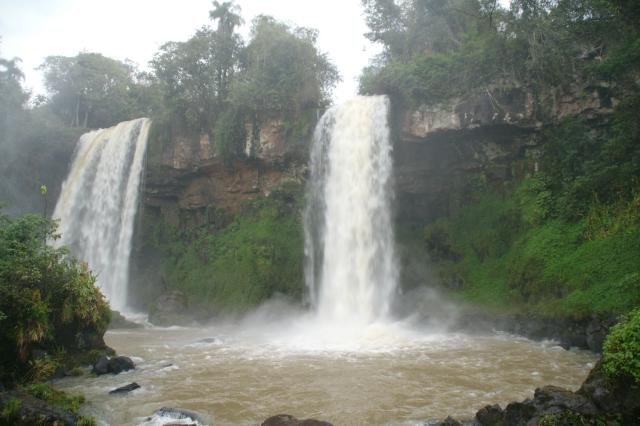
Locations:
column 233, row 375
column 98, row 203
column 351, row 271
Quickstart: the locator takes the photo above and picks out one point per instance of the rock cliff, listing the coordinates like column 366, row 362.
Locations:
column 442, row 150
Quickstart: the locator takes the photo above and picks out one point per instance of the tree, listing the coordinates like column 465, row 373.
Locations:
column 12, row 96
column 195, row 75
column 49, row 304
column 283, row 70
column 90, row 90
column 227, row 44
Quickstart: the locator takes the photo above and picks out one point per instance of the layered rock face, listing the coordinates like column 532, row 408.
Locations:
column 442, row 150
column 188, row 180
column 188, row 185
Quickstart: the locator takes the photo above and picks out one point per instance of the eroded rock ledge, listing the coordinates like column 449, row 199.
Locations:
column 494, row 135
column 600, row 401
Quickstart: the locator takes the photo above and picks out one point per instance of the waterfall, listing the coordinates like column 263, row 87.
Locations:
column 98, row 203
column 351, row 271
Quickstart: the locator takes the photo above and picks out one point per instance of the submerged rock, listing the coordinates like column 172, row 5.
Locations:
column 126, row 388
column 170, row 413
column 113, row 365
column 118, row 364
column 101, row 366
column 118, row 321
column 289, row 420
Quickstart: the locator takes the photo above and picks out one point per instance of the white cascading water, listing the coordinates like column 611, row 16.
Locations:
column 351, row 271
column 98, row 203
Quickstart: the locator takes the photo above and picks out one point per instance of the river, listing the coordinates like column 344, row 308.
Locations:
column 239, row 375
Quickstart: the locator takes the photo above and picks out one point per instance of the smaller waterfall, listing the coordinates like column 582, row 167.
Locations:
column 98, row 203
column 351, row 271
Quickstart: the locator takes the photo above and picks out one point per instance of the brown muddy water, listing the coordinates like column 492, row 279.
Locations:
column 388, row 375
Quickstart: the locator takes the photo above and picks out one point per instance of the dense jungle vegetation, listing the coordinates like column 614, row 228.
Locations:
column 52, row 316
column 564, row 240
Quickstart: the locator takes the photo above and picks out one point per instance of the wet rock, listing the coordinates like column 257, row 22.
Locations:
column 450, row 421
column 118, row 364
column 548, row 401
column 177, row 414
column 101, row 366
column 289, row 420
column 113, row 365
column 583, row 333
column 209, row 340
column 126, row 388
column 519, row 413
column 597, row 331
column 551, row 399
column 170, row 309
column 491, row 415
column 118, row 321
column 619, row 395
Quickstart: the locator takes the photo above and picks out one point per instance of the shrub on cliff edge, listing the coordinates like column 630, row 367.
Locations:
column 621, row 355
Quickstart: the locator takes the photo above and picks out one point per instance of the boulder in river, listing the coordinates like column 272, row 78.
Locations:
column 289, row 420
column 118, row 321
column 113, row 365
column 126, row 388
column 169, row 413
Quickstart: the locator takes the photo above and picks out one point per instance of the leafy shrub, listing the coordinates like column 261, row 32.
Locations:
column 49, row 301
column 621, row 350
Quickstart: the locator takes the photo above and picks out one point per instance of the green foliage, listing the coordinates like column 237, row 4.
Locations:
column 214, row 84
column 621, row 350
column 11, row 411
column 91, row 90
column 436, row 49
column 229, row 134
column 194, row 76
column 583, row 166
column 50, row 302
column 233, row 269
column 283, row 70
column 511, row 254
column 55, row 397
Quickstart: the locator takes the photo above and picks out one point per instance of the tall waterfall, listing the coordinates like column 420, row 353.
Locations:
column 98, row 203
column 351, row 271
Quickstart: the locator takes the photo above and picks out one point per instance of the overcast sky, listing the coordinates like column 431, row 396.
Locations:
column 135, row 29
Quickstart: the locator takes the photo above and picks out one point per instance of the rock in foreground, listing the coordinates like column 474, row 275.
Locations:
column 113, row 365
column 168, row 414
column 289, row 420
column 600, row 401
column 125, row 389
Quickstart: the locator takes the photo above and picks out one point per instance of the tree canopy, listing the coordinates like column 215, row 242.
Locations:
column 89, row 90
column 435, row 49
